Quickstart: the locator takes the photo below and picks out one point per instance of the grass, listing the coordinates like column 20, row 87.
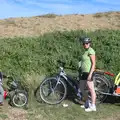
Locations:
column 48, row 15
column 41, row 111
column 33, row 58
column 3, row 116
column 105, row 111
column 99, row 15
column 9, row 22
column 73, row 111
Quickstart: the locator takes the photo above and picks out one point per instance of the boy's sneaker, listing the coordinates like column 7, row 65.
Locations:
column 90, row 109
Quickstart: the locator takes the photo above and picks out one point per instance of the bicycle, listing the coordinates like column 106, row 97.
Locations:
column 53, row 90
column 105, row 86
column 103, row 83
column 18, row 96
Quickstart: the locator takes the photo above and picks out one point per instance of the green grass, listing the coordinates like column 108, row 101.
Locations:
column 41, row 111
column 105, row 111
column 31, row 59
column 3, row 116
column 48, row 15
column 73, row 111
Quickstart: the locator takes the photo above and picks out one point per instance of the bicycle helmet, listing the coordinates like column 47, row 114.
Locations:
column 86, row 40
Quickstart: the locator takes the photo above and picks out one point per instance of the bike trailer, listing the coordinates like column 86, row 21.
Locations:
column 117, row 82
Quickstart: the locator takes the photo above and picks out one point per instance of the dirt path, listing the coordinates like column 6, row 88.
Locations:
column 10, row 113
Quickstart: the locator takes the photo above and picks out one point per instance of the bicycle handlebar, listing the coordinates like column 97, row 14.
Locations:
column 2, row 75
column 62, row 64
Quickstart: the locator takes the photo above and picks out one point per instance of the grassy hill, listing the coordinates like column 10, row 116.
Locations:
column 32, row 57
column 30, row 48
column 35, row 26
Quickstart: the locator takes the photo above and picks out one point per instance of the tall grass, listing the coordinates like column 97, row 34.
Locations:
column 32, row 58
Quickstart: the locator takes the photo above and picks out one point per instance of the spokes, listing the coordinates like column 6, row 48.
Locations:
column 52, row 91
column 101, row 87
column 19, row 100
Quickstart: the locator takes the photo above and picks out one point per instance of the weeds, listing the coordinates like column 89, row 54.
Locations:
column 32, row 57
column 48, row 16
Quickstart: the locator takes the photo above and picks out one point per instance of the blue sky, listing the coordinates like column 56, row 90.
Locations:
column 26, row 8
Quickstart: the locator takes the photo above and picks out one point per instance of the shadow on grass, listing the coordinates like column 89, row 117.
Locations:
column 112, row 99
column 71, row 96
column 37, row 94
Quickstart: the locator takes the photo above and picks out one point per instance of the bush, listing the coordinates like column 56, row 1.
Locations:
column 29, row 58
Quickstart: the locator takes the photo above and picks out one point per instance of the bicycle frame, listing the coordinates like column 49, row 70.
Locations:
column 7, row 92
column 67, row 78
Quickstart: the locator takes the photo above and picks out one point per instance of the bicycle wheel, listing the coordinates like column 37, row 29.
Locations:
column 19, row 99
column 101, row 87
column 53, row 91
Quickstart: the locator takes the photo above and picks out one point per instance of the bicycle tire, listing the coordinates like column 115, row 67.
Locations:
column 19, row 98
column 53, row 87
column 101, row 86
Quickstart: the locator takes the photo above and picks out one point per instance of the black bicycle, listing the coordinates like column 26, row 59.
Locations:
column 54, row 90
column 17, row 95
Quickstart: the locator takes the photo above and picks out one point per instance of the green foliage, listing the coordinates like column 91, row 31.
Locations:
column 98, row 15
column 36, row 56
column 3, row 116
column 48, row 15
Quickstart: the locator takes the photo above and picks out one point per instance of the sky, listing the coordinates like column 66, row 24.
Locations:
column 28, row 8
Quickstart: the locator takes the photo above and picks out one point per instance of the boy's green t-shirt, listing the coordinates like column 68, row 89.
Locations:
column 86, row 61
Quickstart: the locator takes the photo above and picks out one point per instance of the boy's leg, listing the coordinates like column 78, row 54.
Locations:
column 1, row 94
